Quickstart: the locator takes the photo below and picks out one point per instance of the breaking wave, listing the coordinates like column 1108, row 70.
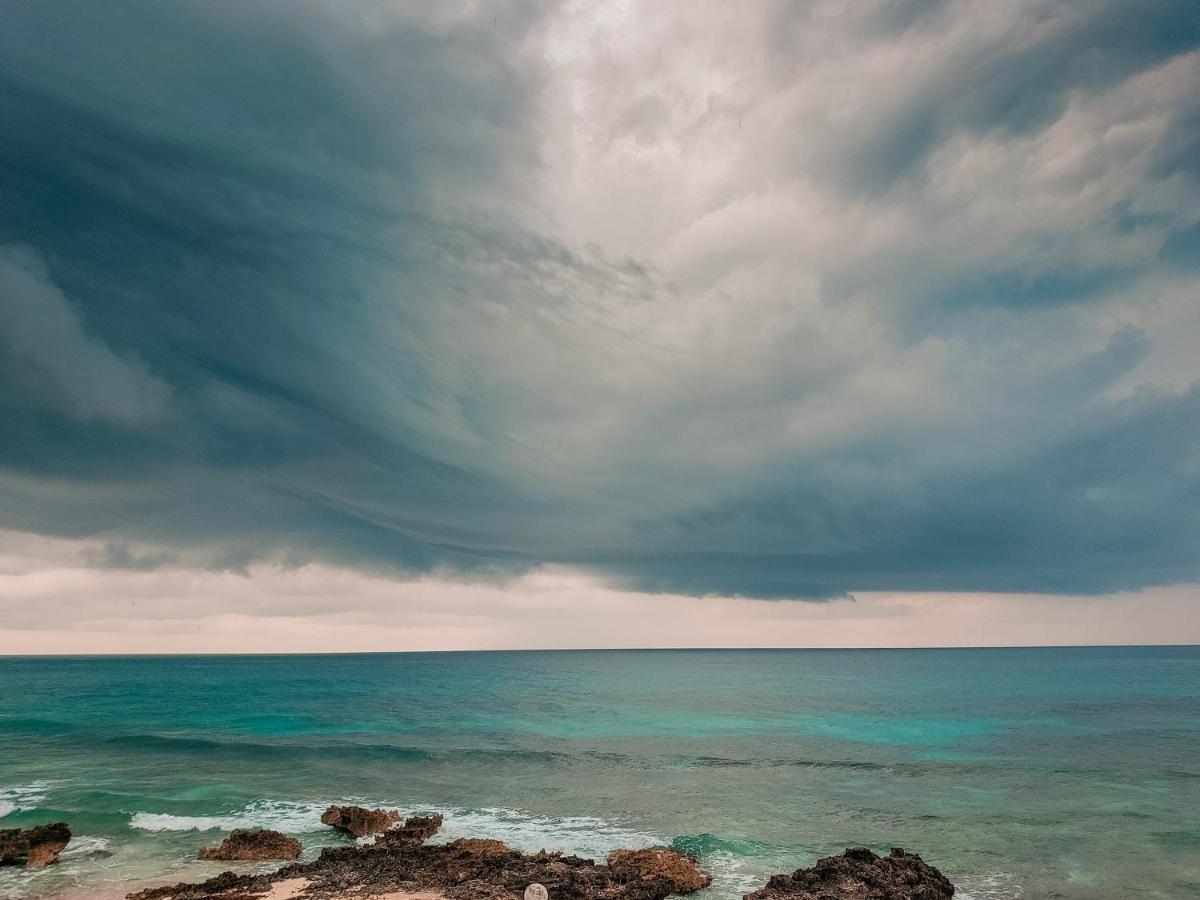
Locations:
column 296, row 818
column 22, row 797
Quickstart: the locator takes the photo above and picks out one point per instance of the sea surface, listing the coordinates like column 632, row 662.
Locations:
column 1030, row 773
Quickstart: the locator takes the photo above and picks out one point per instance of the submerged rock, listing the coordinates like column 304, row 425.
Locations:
column 358, row 820
column 35, row 847
column 858, row 874
column 471, row 869
column 677, row 869
column 414, row 830
column 254, row 843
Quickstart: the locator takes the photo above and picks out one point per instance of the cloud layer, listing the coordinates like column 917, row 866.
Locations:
column 790, row 301
column 57, row 602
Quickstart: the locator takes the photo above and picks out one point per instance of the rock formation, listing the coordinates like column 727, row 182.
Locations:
column 358, row 821
column 35, row 847
column 254, row 843
column 461, row 870
column 678, row 870
column 414, row 830
column 858, row 874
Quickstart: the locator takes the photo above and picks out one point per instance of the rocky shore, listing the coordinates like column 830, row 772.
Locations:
column 33, row 847
column 399, row 865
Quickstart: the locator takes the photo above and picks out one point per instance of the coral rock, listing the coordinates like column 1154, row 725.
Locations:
column 35, row 847
column 359, row 821
column 254, row 843
column 858, row 874
column 676, row 868
column 482, row 847
column 414, row 830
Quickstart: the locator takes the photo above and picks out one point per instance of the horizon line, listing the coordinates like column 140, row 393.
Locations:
column 284, row 653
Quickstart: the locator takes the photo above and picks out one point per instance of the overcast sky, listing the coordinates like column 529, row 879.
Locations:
column 360, row 326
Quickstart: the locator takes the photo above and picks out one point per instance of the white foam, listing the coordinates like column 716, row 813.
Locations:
column 730, row 878
column 84, row 845
column 21, row 797
column 578, row 835
column 279, row 815
column 998, row 886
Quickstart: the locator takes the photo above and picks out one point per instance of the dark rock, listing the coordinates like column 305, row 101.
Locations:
column 227, row 886
column 679, row 870
column 35, row 847
column 254, row 843
column 414, row 830
column 858, row 874
column 358, row 821
column 462, row 870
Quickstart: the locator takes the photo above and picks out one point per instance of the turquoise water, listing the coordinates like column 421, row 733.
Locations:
column 1021, row 773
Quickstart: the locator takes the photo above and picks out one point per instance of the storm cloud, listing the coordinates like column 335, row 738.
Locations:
column 781, row 301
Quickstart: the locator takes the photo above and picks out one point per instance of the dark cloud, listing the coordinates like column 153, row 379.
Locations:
column 1018, row 83
column 126, row 558
column 278, row 281
column 1182, row 247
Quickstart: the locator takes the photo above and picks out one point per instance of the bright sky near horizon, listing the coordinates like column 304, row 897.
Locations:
column 392, row 325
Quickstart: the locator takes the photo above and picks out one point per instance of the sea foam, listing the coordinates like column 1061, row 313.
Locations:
column 21, row 797
column 585, row 836
column 296, row 818
column 84, row 845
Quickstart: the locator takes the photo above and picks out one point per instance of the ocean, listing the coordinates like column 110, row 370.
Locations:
column 1031, row 773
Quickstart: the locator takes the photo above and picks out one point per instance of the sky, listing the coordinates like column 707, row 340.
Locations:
column 392, row 325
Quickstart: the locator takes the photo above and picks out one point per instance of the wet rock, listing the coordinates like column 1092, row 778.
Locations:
column 254, row 843
column 858, row 874
column 34, row 847
column 678, row 869
column 359, row 821
column 414, row 830
column 472, row 869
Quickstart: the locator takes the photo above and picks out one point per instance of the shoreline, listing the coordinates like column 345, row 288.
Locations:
column 397, row 862
column 291, row 889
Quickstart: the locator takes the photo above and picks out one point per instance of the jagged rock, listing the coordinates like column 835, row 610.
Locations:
column 482, row 847
column 858, row 874
column 226, row 885
column 471, row 869
column 358, row 821
column 414, row 830
column 677, row 868
column 254, row 843
column 35, row 847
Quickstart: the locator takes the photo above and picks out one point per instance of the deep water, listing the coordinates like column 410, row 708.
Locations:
column 1020, row 773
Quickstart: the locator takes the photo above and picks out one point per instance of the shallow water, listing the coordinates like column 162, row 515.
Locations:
column 1021, row 773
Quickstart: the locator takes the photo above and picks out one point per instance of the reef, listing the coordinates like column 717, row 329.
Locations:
column 399, row 865
column 462, row 870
